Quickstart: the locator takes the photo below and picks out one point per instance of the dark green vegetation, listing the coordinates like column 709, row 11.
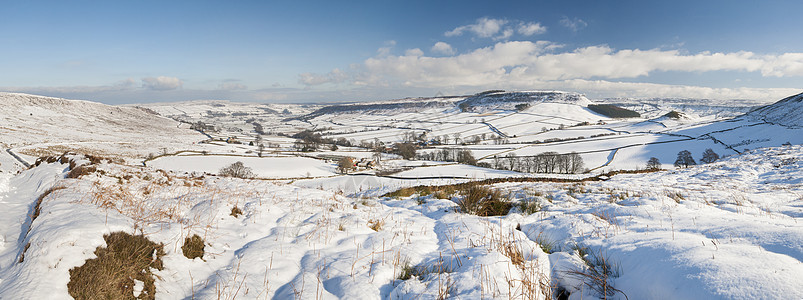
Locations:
column 613, row 111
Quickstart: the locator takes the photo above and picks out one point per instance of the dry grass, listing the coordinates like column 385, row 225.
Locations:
column 22, row 255
column 677, row 196
column 82, row 170
column 193, row 247
column 37, row 206
column 236, row 212
column 482, row 201
column 376, row 224
column 125, row 259
column 598, row 273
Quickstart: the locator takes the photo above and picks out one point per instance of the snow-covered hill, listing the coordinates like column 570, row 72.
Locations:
column 37, row 125
column 728, row 230
column 500, row 100
column 787, row 112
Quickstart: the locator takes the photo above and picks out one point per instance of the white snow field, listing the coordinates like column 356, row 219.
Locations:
column 730, row 229
column 263, row 167
column 727, row 230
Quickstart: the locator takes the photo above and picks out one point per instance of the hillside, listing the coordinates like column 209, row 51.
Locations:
column 37, row 125
column 556, row 202
column 786, row 112
column 501, row 100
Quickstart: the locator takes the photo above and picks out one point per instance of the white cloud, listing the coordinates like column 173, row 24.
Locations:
column 523, row 59
column 529, row 29
column 161, row 83
column 385, row 51
column 414, row 52
column 443, row 48
column 484, row 28
column 524, row 64
column 506, row 34
column 602, row 88
column 310, row 79
column 573, row 24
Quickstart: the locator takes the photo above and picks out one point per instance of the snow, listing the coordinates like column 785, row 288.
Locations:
column 726, row 230
column 263, row 167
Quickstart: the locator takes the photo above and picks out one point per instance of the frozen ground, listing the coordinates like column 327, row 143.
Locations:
column 725, row 230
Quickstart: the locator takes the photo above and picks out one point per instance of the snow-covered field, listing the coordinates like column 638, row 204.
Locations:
column 263, row 167
column 731, row 229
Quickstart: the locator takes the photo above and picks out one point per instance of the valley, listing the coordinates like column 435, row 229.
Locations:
column 525, row 195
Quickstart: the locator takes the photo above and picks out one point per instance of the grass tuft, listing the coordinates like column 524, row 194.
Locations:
column 598, row 273
column 112, row 274
column 236, row 212
column 193, row 247
column 482, row 201
column 376, row 224
column 529, row 206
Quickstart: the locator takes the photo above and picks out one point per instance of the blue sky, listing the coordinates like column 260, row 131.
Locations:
column 301, row 51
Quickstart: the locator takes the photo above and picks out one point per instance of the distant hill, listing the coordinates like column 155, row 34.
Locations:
column 496, row 100
column 787, row 112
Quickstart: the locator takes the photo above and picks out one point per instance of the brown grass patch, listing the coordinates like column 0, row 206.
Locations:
column 82, row 170
column 236, row 212
column 482, row 201
column 193, row 247
column 112, row 274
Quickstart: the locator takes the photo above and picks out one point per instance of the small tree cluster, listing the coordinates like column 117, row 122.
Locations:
column 547, row 162
column 455, row 155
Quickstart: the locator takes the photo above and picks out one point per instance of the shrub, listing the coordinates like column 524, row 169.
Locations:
column 112, row 273
column 483, row 201
column 193, row 247
column 238, row 170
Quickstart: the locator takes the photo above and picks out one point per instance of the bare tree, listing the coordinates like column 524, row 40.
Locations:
column 345, row 164
column 653, row 164
column 684, row 159
column 238, row 170
column 709, row 156
column 406, row 150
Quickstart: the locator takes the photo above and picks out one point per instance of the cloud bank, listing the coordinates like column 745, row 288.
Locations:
column 161, row 83
column 538, row 65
